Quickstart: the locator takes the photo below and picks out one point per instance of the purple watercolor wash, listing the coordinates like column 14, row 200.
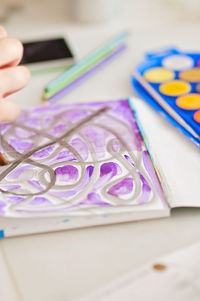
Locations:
column 4, row 127
column 65, row 155
column 75, row 116
column 10, row 187
column 97, row 169
column 86, row 179
column 145, row 183
column 124, row 111
column 144, row 197
column 70, row 193
column 63, row 194
column 2, row 208
column 67, row 173
column 110, row 168
column 94, row 198
column 16, row 173
column 34, row 122
column 58, row 129
column 116, row 146
column 46, row 109
column 90, row 169
column 129, row 160
column 122, row 188
column 107, row 172
column 45, row 152
column 21, row 146
column 97, row 137
column 24, row 133
column 81, row 147
column 47, row 120
column 147, row 164
column 36, row 184
column 15, row 199
column 40, row 201
column 146, row 191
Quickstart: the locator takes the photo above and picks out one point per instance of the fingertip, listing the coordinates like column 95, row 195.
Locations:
column 18, row 48
column 14, row 111
column 11, row 52
column 25, row 73
column 9, row 111
column 3, row 32
column 21, row 77
column 13, row 79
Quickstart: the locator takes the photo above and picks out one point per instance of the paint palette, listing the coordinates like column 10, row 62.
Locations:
column 170, row 81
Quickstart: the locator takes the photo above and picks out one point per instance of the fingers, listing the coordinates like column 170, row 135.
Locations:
column 13, row 80
column 12, row 77
column 9, row 111
column 11, row 51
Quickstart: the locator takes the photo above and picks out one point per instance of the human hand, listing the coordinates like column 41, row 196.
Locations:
column 12, row 77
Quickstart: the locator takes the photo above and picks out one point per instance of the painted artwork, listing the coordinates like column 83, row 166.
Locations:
column 74, row 160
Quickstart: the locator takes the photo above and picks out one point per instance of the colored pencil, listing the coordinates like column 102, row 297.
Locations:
column 163, row 104
column 110, row 45
column 86, row 75
column 49, row 93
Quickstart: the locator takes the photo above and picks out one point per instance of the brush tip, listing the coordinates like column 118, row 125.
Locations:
column 3, row 161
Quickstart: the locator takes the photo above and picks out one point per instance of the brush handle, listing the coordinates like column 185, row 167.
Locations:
column 164, row 105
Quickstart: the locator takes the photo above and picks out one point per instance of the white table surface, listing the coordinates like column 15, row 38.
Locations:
column 66, row 265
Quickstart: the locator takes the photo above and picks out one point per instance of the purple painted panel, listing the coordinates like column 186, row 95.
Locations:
column 74, row 158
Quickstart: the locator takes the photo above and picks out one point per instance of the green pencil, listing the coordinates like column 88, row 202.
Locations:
column 84, row 64
column 49, row 93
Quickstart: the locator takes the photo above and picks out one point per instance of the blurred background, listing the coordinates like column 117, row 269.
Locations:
column 102, row 10
column 156, row 22
column 86, row 24
column 173, row 20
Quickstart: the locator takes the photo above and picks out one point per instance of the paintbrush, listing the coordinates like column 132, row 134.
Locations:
column 164, row 105
column 3, row 161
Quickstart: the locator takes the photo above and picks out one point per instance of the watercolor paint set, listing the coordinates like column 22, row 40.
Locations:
column 169, row 80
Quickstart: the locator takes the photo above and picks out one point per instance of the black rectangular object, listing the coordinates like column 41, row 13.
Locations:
column 45, row 50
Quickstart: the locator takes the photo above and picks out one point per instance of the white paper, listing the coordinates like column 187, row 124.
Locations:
column 177, row 157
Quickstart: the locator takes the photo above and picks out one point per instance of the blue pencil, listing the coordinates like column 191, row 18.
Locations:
column 111, row 44
column 83, row 77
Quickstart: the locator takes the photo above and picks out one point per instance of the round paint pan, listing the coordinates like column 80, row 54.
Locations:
column 196, row 116
column 158, row 75
column 191, row 75
column 175, row 88
column 178, row 62
column 189, row 102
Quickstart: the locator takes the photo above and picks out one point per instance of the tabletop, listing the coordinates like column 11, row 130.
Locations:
column 69, row 264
